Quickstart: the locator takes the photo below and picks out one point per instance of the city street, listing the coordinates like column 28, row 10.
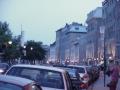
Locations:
column 99, row 84
column 60, row 44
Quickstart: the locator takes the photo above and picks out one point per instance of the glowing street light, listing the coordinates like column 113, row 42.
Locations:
column 24, row 47
column 10, row 42
column 31, row 48
column 110, row 58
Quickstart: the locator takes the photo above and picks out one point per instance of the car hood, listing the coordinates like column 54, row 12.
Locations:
column 47, row 88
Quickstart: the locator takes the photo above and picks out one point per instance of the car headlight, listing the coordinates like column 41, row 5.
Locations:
column 1, row 70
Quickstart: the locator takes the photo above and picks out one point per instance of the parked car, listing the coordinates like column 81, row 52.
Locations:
column 17, row 83
column 83, row 74
column 73, row 75
column 3, row 67
column 50, row 78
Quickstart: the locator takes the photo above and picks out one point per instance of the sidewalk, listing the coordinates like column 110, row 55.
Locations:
column 99, row 84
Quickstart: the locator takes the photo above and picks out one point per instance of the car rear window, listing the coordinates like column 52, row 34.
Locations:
column 9, row 86
column 81, row 70
column 46, row 78
column 72, row 72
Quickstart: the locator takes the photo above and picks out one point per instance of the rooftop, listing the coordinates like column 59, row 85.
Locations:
column 97, row 13
column 74, row 27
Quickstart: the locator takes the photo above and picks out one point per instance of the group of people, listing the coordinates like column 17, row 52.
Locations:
column 113, row 72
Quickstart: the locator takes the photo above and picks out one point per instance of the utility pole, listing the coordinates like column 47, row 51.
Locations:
column 22, row 36
column 105, row 62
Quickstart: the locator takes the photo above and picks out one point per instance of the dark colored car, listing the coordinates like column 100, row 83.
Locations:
column 74, row 75
column 17, row 83
column 82, row 74
column 3, row 67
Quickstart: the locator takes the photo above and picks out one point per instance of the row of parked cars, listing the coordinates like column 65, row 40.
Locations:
column 85, row 75
column 41, row 77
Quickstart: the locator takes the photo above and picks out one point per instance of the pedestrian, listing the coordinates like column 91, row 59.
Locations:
column 114, row 69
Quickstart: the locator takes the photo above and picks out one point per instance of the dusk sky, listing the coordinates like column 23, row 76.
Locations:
column 41, row 18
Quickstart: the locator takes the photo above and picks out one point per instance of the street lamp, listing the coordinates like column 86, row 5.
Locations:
column 24, row 50
column 24, row 47
column 9, row 42
column 31, row 48
column 102, row 31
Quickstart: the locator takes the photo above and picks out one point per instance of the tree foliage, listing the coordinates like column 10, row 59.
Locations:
column 34, row 50
column 5, row 34
column 10, row 51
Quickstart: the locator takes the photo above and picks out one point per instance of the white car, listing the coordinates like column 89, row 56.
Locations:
column 50, row 78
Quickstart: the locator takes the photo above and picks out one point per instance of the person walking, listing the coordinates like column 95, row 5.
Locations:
column 114, row 76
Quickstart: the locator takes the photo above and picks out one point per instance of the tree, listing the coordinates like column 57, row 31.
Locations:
column 34, row 51
column 5, row 34
column 10, row 51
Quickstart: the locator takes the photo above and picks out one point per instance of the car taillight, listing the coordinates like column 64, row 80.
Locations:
column 28, row 87
column 83, row 86
column 85, row 78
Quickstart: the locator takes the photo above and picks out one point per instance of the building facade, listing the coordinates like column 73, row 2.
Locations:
column 52, row 53
column 67, row 43
column 111, row 15
column 94, row 36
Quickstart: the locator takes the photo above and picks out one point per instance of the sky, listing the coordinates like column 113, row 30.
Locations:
column 40, row 19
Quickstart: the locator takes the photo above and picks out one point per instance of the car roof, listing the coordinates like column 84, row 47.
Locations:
column 77, row 66
column 40, row 67
column 15, row 80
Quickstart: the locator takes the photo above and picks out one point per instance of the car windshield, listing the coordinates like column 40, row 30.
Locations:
column 45, row 78
column 9, row 86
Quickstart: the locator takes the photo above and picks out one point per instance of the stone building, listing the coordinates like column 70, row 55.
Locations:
column 52, row 53
column 94, row 22
column 111, row 15
column 67, row 43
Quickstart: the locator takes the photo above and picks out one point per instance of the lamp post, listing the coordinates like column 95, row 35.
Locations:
column 24, row 50
column 9, row 46
column 102, row 31
column 105, row 62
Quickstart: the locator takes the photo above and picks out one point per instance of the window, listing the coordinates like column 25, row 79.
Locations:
column 76, row 28
column 9, row 86
column 45, row 78
column 81, row 70
column 72, row 72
